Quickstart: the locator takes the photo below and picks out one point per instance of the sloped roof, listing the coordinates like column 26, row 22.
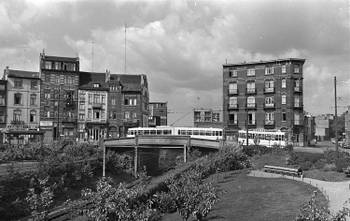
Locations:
column 128, row 82
column 88, row 79
column 22, row 74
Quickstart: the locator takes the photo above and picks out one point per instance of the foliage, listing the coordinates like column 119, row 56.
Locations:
column 118, row 162
column 40, row 200
column 252, row 150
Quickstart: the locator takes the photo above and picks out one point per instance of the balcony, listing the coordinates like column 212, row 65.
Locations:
column 251, row 123
column 298, row 122
column 97, row 105
column 297, row 89
column 69, row 119
column 269, row 90
column 232, row 106
column 251, row 91
column 269, row 122
column 233, row 122
column 232, row 91
column 251, row 105
column 269, row 106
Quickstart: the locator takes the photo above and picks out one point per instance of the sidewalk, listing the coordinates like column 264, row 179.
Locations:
column 336, row 192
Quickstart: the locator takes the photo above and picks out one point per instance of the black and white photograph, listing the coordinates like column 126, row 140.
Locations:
column 175, row 110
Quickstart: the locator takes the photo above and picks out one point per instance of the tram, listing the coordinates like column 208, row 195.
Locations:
column 263, row 138
column 194, row 132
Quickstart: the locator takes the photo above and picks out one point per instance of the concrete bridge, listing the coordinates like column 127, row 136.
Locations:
column 161, row 142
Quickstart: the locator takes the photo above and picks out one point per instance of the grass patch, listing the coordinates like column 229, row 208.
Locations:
column 331, row 176
column 275, row 159
column 252, row 198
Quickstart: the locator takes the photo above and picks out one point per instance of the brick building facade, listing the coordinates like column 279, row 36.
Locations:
column 264, row 95
column 3, row 108
column 59, row 96
column 207, row 118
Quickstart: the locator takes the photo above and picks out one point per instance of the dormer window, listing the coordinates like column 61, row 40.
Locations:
column 96, row 85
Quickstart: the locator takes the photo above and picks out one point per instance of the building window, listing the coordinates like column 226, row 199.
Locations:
column 284, row 69
column 96, row 85
column 47, row 95
column 90, row 98
column 34, row 84
column 233, row 102
column 251, row 87
column 62, row 79
column 114, row 115
column 233, row 73
column 126, row 115
column 232, row 87
column 284, row 116
column 284, row 83
column 48, row 114
column 134, row 115
column 103, row 114
column 18, row 83
column 269, row 101
column 81, row 116
column 250, row 101
column 269, row 86
column 130, row 101
column 96, row 98
column 96, row 114
column 113, row 101
column 297, row 101
column 232, row 118
column 32, row 117
column 57, row 65
column 2, row 87
column 284, row 99
column 2, row 99
column 17, row 99
column 296, row 68
column 269, row 118
column 17, row 115
column 2, row 117
column 89, row 114
column 251, row 118
column 296, row 85
column 103, row 99
column 297, row 119
column 48, row 64
column 32, row 99
column 251, row 72
column 269, row 70
column 81, row 106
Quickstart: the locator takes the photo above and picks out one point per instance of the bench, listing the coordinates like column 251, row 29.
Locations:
column 283, row 170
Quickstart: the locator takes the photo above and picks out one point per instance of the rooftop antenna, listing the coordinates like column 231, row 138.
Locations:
column 125, row 48
column 226, row 60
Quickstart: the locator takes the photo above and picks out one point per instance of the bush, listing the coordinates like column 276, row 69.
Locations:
column 342, row 163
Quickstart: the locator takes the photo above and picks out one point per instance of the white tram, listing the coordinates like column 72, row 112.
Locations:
column 194, row 132
column 263, row 138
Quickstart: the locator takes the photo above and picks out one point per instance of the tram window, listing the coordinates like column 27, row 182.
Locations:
column 202, row 132
column 207, row 133
column 220, row 133
column 146, row 132
column 282, row 137
column 178, row 132
column 167, row 131
column 189, row 132
column 159, row 132
column 182, row 132
column 152, row 132
column 195, row 132
column 267, row 136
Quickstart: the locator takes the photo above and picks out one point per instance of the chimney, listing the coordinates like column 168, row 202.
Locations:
column 6, row 72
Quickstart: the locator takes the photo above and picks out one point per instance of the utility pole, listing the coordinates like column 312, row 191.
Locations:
column 58, row 113
column 336, row 116
column 125, row 48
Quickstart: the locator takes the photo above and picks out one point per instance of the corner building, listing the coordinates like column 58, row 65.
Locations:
column 59, row 97
column 264, row 95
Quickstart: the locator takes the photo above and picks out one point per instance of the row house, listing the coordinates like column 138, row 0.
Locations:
column 92, row 106
column 158, row 114
column 264, row 95
column 22, row 106
column 128, row 102
column 59, row 96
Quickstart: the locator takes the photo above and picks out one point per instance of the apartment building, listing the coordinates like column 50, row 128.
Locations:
column 58, row 96
column 23, row 106
column 264, row 95
column 158, row 114
column 92, row 106
column 128, row 102
column 347, row 126
column 207, row 118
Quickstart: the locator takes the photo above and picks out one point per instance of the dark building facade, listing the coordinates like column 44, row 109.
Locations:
column 264, row 95
column 158, row 114
column 207, row 118
column 58, row 97
column 3, row 102
column 128, row 101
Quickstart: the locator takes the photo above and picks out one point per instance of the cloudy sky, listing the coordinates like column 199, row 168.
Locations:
column 182, row 44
